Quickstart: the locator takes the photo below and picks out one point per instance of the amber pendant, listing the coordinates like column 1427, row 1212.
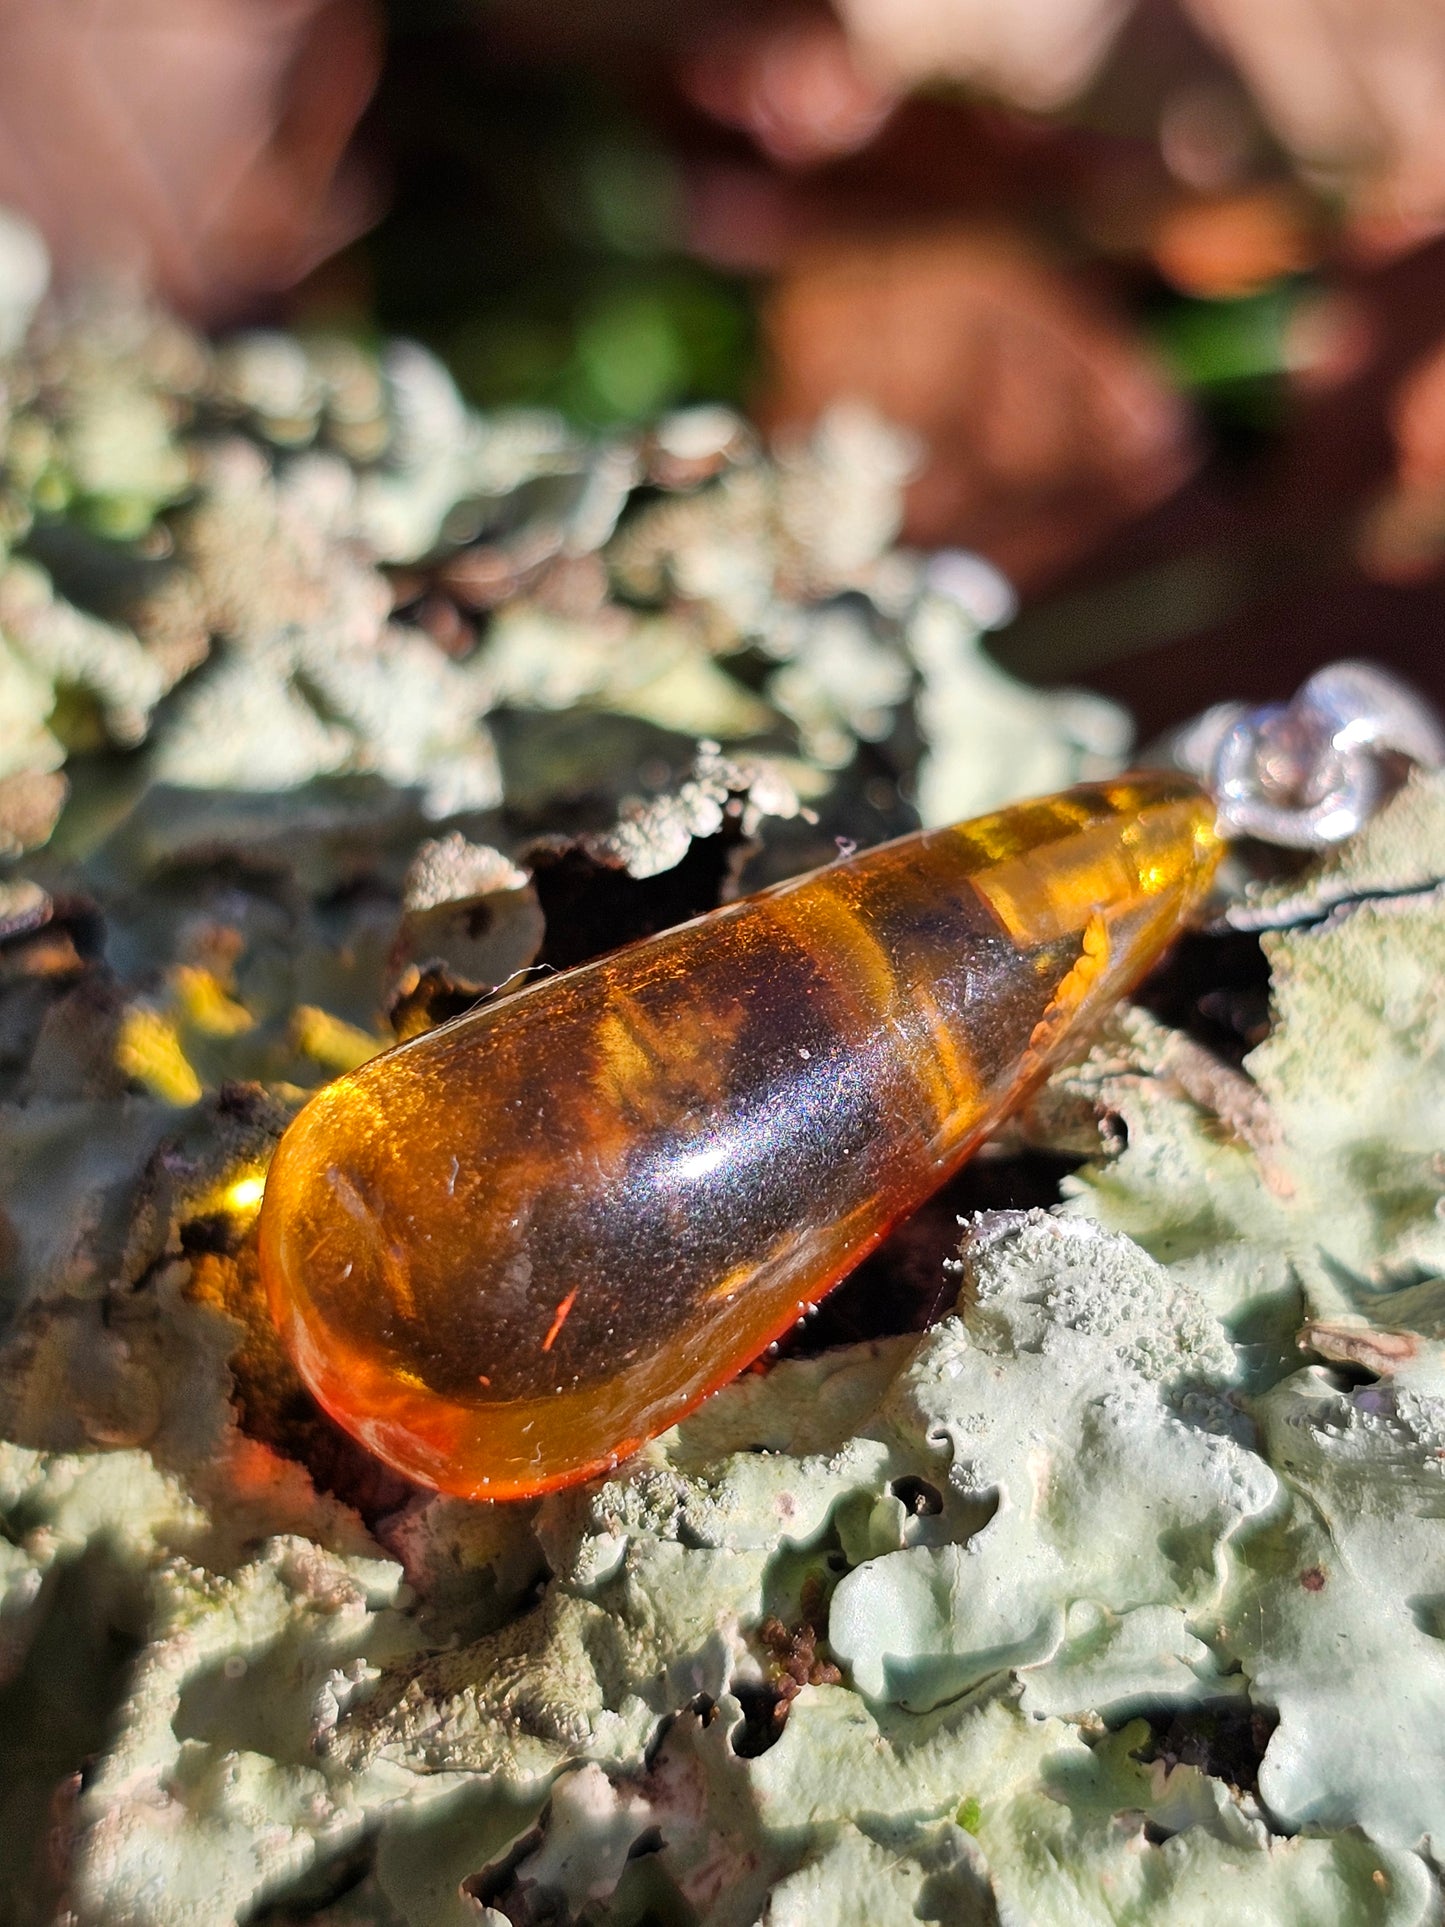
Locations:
column 506, row 1253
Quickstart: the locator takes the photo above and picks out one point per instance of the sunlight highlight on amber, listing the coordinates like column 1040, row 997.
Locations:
column 504, row 1254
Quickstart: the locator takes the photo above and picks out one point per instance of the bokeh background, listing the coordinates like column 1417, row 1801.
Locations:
column 1160, row 284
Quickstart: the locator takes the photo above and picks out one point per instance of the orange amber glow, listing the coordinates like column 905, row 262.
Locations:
column 504, row 1254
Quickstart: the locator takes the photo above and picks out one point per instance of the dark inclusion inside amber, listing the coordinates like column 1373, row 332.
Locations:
column 506, row 1253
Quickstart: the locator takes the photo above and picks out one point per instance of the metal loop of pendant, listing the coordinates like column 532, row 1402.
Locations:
column 1310, row 772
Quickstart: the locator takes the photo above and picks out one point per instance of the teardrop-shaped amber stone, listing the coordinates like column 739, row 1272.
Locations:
column 504, row 1254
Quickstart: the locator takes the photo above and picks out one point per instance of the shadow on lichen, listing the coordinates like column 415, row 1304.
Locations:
column 1225, row 1739
column 273, row 1405
column 55, row 1714
column 904, row 1285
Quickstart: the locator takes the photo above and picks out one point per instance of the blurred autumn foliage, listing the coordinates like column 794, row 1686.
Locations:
column 200, row 145
column 1044, row 420
column 1159, row 285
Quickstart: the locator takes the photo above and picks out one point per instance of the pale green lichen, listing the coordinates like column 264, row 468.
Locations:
column 351, row 574
column 1087, row 1338
column 1141, row 1506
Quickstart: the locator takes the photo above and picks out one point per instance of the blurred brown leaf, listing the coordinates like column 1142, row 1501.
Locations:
column 1356, row 90
column 1036, row 53
column 197, row 142
column 1417, row 420
column 1046, row 423
column 797, row 86
column 1403, row 538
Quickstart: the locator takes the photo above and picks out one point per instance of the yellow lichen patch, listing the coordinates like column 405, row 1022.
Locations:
column 205, row 1004
column 243, row 1196
column 237, row 1196
column 331, row 1041
column 148, row 1048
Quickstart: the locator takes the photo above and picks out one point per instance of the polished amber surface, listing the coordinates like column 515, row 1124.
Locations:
column 506, row 1253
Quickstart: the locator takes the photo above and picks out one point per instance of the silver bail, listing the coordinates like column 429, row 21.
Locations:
column 1311, row 771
